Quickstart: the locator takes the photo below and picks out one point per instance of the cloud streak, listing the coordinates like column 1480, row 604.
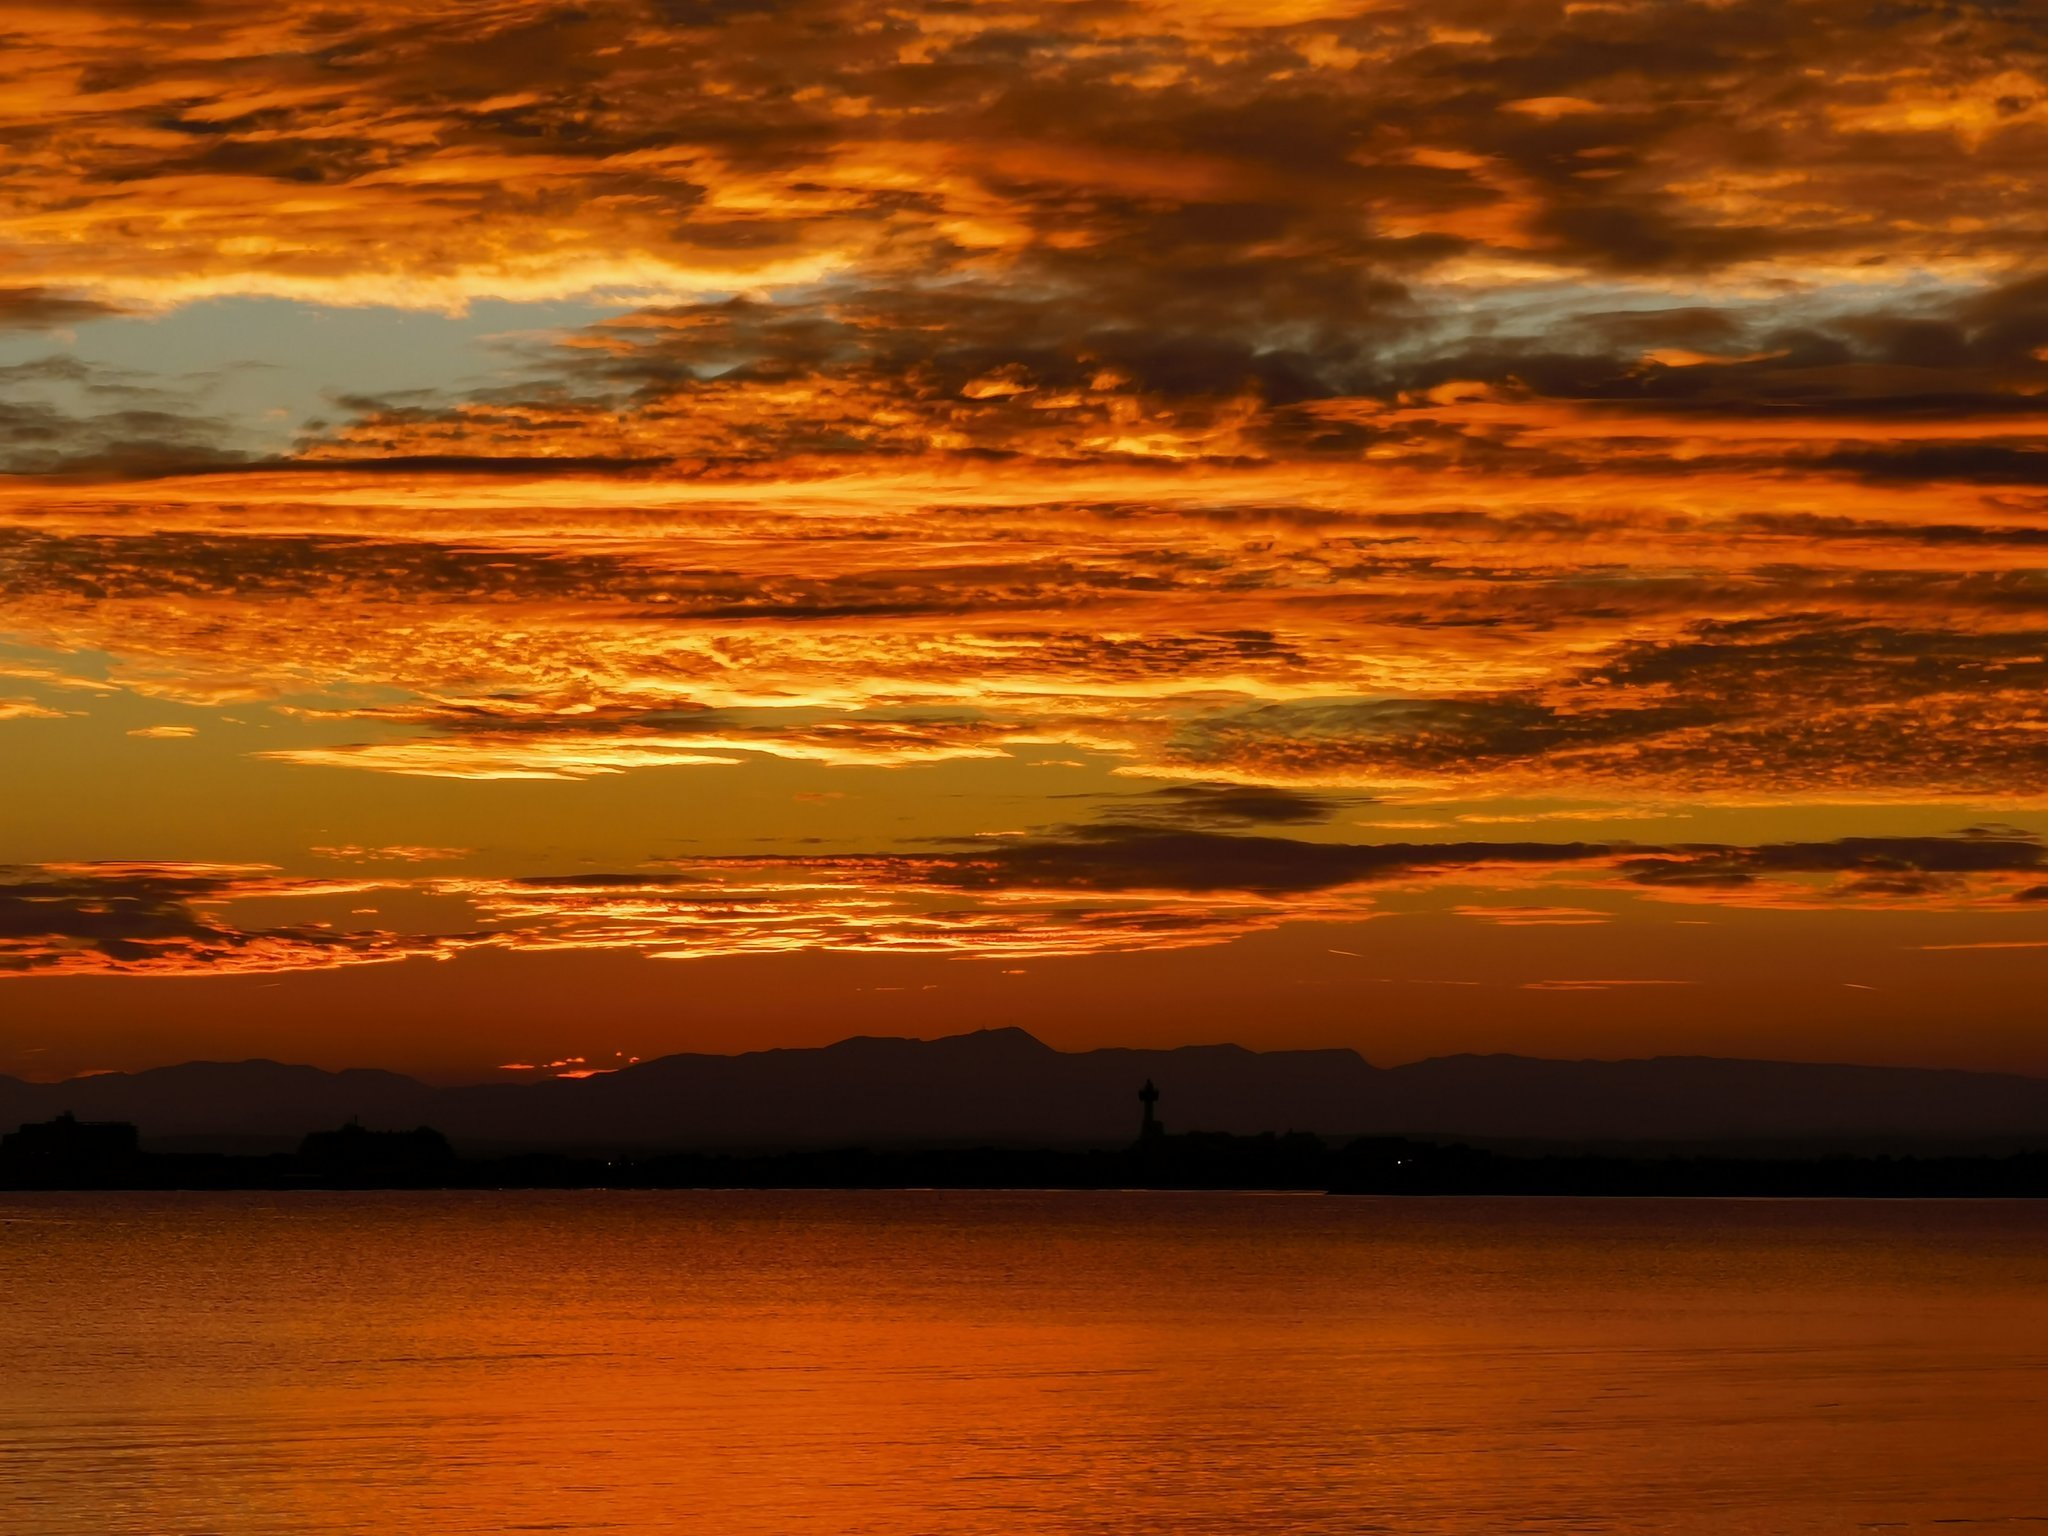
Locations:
column 1106, row 888
column 170, row 920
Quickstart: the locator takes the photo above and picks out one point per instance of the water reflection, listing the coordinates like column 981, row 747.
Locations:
column 1000, row 1363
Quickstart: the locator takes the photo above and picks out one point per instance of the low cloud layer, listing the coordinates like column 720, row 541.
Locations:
column 1314, row 647
column 170, row 919
column 1086, row 890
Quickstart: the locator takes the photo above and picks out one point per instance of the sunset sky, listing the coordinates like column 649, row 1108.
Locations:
column 549, row 534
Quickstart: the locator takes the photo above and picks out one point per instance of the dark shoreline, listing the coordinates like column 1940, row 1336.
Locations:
column 1297, row 1163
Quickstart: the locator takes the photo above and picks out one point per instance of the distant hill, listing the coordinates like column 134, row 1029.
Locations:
column 1004, row 1086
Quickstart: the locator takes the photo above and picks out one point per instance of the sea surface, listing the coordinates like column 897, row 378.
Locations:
column 939, row 1363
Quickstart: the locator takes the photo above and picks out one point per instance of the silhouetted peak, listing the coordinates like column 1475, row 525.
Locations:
column 1008, row 1040
column 1706, row 1066
column 257, row 1070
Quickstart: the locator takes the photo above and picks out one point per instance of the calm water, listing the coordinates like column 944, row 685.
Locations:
column 1007, row 1363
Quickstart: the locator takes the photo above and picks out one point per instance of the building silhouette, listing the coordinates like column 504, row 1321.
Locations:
column 71, row 1141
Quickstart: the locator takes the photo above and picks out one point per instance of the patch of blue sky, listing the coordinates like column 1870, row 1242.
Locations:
column 1543, row 310
column 270, row 366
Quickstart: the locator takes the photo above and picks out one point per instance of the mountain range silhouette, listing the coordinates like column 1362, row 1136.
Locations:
column 1006, row 1087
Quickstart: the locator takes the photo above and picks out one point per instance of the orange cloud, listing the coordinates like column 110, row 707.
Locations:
column 28, row 709
column 1715, row 644
column 400, row 853
column 1111, row 887
column 436, row 153
column 167, row 920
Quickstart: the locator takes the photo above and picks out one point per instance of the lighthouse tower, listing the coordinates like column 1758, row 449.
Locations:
column 1149, row 1129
